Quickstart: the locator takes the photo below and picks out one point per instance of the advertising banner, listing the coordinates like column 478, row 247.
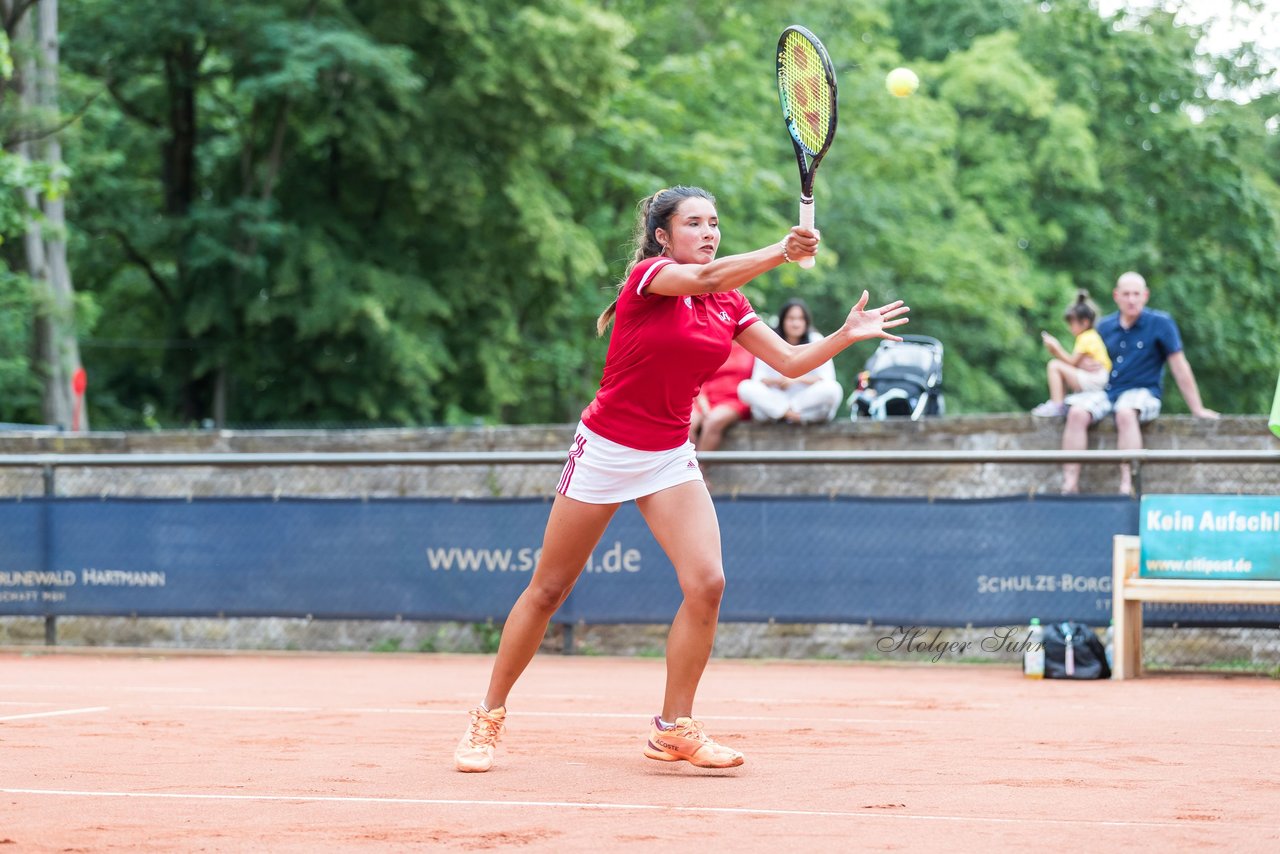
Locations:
column 982, row 562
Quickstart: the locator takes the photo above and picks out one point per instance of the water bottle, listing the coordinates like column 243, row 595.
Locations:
column 1109, row 641
column 1033, row 656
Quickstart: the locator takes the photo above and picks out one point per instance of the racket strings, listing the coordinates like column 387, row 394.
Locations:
column 806, row 91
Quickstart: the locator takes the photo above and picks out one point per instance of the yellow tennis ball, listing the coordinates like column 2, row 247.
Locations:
column 901, row 82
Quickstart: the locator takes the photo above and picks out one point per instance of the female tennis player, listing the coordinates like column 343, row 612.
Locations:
column 676, row 312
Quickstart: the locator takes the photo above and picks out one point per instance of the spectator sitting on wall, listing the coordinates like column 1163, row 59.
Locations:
column 1140, row 341
column 717, row 406
column 1086, row 368
column 812, row 398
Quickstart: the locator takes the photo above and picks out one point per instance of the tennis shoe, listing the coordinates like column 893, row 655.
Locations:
column 475, row 751
column 1050, row 409
column 687, row 741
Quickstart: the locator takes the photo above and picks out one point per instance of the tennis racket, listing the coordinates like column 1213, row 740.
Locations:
column 807, row 89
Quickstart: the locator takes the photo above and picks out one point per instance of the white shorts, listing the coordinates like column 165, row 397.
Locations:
column 602, row 472
column 1093, row 380
column 1100, row 406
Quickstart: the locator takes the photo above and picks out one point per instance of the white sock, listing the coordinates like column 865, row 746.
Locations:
column 484, row 708
column 664, row 724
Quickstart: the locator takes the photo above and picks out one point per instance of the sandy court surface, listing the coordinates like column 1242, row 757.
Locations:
column 300, row 752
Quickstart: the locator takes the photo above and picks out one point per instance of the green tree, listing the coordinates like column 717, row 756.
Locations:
column 325, row 211
column 302, row 211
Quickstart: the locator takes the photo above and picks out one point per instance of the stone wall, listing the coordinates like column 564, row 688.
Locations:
column 967, row 433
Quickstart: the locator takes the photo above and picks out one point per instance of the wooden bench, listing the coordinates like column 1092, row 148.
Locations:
column 1129, row 591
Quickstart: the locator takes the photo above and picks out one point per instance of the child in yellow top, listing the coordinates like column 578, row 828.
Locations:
column 1086, row 368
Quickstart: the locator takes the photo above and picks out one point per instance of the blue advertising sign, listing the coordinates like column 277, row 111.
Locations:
column 983, row 562
column 1210, row 536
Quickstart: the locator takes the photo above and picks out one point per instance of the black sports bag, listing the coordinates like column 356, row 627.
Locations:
column 1073, row 651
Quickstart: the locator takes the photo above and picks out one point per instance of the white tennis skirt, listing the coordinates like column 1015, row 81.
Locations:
column 599, row 471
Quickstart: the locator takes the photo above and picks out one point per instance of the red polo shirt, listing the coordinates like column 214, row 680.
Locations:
column 661, row 350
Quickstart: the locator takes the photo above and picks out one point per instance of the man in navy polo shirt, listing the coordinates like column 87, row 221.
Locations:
column 1140, row 341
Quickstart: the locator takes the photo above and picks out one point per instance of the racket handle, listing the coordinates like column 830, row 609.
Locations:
column 806, row 221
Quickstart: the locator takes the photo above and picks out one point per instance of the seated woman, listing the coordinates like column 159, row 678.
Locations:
column 810, row 399
column 717, row 406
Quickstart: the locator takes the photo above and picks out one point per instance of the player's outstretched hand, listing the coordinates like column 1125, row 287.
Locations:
column 863, row 324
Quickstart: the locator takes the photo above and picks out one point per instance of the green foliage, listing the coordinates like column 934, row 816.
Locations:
column 351, row 211
column 391, row 644
column 934, row 29
column 488, row 635
column 19, row 386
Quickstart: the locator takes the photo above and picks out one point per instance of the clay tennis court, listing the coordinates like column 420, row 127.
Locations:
column 301, row 752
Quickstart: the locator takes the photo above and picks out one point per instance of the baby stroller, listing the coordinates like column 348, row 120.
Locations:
column 903, row 379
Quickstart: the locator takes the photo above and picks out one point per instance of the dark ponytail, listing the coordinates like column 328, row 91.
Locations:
column 652, row 212
column 1082, row 309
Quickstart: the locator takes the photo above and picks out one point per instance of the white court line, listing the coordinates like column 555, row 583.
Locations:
column 895, row 704
column 54, row 714
column 646, row 716
column 141, row 689
column 359, row 710
column 288, row 709
column 582, row 805
column 470, row 697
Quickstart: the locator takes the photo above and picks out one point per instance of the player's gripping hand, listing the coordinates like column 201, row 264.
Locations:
column 800, row 243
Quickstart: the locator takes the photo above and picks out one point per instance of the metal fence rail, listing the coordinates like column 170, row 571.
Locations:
column 949, row 474
column 473, row 458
